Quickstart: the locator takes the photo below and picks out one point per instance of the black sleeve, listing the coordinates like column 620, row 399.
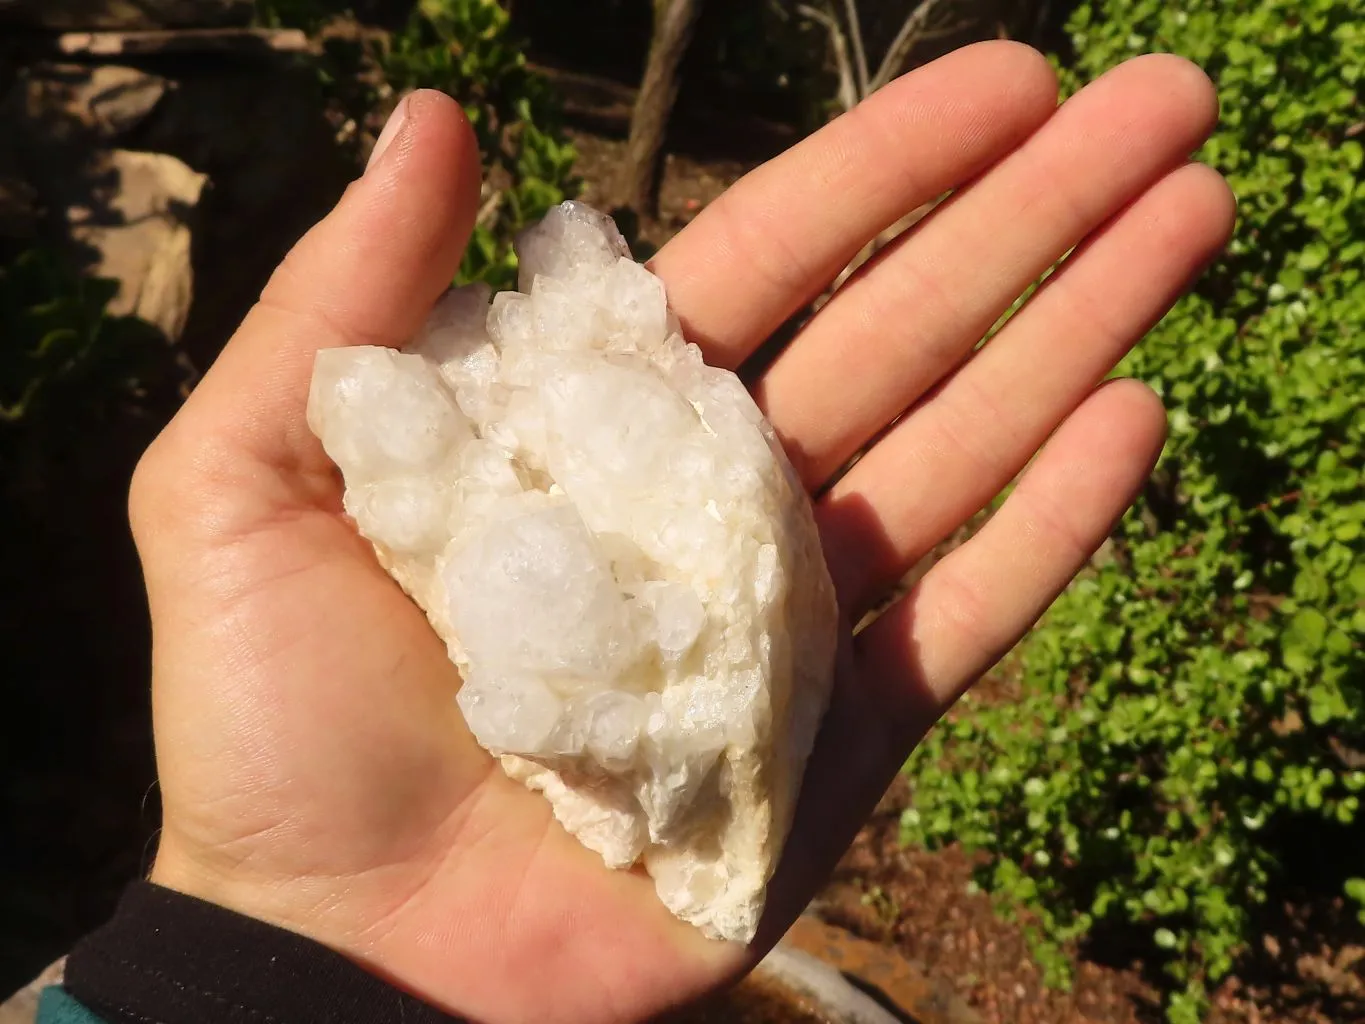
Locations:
column 173, row 959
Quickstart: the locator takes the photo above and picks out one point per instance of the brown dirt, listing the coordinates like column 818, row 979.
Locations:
column 690, row 185
column 1310, row 969
column 708, row 150
column 920, row 902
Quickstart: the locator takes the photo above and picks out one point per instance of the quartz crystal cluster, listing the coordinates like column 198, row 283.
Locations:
column 610, row 540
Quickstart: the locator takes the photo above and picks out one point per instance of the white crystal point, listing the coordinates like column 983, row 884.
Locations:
column 621, row 561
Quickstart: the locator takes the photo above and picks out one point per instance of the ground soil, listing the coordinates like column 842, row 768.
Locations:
column 923, row 904
column 708, row 150
column 689, row 184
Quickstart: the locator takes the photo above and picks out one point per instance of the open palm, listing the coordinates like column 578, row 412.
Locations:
column 314, row 767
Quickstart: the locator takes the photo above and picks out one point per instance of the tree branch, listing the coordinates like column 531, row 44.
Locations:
column 488, row 212
column 949, row 30
column 911, row 33
column 855, row 30
column 848, row 85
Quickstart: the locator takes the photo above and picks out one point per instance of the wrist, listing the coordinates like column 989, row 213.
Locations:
column 174, row 958
column 234, row 886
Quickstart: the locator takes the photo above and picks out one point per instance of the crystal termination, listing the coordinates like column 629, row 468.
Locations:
column 609, row 538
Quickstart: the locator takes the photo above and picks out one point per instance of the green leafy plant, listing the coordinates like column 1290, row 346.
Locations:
column 1195, row 704
column 56, row 340
column 465, row 48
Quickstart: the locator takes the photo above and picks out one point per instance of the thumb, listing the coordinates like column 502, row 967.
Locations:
column 368, row 274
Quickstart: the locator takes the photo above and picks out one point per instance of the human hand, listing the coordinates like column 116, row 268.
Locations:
column 315, row 770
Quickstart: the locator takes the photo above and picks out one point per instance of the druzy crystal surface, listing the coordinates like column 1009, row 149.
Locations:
column 612, row 543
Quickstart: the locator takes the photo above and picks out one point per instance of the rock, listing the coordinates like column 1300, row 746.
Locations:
column 820, row 973
column 126, row 14
column 22, row 1007
column 610, row 540
column 147, row 249
column 81, row 104
column 258, row 128
column 239, row 42
column 816, row 982
column 120, row 213
column 876, row 967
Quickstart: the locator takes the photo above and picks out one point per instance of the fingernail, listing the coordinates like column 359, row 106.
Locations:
column 395, row 124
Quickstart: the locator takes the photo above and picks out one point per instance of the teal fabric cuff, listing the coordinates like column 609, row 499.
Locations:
column 55, row 1006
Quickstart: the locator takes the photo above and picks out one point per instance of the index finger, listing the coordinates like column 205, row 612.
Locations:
column 779, row 236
